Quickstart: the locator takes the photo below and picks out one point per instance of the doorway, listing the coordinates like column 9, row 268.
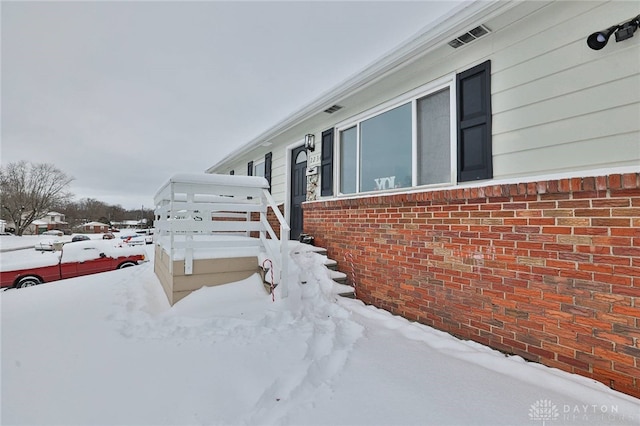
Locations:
column 298, row 189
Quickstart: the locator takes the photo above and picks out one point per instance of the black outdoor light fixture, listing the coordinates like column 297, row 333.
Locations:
column 599, row 39
column 310, row 142
column 627, row 29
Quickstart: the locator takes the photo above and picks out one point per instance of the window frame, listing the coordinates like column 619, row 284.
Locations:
column 412, row 96
column 255, row 167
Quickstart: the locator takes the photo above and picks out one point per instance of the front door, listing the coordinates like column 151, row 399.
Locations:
column 298, row 189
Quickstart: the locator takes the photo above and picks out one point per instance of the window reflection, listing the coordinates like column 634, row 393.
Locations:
column 258, row 169
column 377, row 153
column 386, row 150
column 434, row 134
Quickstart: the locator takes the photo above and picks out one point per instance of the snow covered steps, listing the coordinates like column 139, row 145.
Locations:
column 340, row 278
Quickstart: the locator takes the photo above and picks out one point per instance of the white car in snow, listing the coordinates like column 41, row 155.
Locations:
column 132, row 238
column 148, row 235
column 44, row 245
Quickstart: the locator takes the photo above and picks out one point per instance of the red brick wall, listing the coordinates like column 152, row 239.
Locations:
column 547, row 270
column 271, row 218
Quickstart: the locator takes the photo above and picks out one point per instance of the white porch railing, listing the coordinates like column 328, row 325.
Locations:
column 215, row 215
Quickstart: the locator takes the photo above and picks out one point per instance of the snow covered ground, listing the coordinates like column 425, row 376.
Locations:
column 107, row 349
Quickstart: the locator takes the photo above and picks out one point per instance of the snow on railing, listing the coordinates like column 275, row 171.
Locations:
column 210, row 215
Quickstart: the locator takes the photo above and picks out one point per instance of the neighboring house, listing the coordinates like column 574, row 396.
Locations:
column 484, row 179
column 95, row 227
column 53, row 220
column 130, row 224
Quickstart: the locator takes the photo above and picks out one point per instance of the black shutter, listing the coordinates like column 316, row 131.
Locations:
column 232, row 172
column 474, row 123
column 326, row 165
column 250, row 168
column 267, row 168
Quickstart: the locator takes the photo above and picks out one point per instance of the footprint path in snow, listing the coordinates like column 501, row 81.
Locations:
column 327, row 329
column 331, row 338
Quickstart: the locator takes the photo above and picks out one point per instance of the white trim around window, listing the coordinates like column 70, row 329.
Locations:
column 259, row 167
column 386, row 184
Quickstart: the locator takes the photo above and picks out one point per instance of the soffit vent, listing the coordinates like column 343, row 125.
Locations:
column 468, row 37
column 333, row 109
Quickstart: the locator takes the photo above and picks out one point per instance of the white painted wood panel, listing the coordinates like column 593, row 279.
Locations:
column 586, row 127
column 554, row 27
column 581, row 76
column 556, row 102
column 599, row 153
column 591, row 100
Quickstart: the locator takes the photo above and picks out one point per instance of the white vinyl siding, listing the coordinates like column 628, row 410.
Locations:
column 558, row 106
column 549, row 89
column 278, row 174
column 278, row 177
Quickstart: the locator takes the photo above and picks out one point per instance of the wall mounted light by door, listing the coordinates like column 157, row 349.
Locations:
column 599, row 39
column 310, row 142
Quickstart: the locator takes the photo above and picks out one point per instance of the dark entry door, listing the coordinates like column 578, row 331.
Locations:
column 298, row 189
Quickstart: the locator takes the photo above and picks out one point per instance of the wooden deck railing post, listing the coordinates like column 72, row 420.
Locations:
column 189, row 208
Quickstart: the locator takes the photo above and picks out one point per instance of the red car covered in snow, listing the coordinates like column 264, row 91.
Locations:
column 73, row 260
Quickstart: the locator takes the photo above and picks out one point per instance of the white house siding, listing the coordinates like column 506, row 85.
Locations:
column 278, row 168
column 278, row 175
column 558, row 106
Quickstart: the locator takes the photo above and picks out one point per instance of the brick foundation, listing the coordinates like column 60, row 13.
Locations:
column 272, row 219
column 548, row 270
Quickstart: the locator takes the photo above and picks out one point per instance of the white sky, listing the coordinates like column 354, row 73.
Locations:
column 121, row 95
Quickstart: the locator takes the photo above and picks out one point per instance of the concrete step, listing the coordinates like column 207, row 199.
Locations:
column 348, row 294
column 315, row 249
column 337, row 276
column 331, row 264
column 321, row 251
column 340, row 278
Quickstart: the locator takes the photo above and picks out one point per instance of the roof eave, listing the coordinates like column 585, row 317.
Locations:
column 430, row 38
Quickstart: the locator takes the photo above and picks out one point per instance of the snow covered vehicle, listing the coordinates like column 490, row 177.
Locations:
column 73, row 260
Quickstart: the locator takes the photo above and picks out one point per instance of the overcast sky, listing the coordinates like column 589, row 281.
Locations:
column 122, row 95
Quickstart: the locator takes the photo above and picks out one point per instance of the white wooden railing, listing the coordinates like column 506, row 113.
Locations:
column 213, row 216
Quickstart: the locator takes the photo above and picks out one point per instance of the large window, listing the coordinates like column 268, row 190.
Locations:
column 402, row 146
column 385, row 150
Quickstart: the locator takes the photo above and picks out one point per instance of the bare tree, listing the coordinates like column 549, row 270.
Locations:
column 92, row 209
column 29, row 191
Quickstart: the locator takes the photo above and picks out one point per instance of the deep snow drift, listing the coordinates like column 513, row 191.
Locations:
column 107, row 349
